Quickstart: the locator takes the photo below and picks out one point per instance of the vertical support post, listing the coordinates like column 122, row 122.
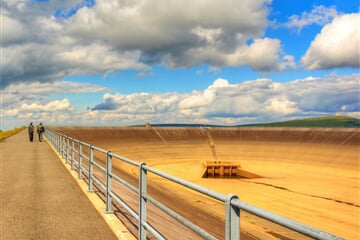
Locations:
column 62, row 146
column 108, row 182
column 67, row 150
column 57, row 142
column 80, row 160
column 59, row 145
column 142, row 201
column 51, row 134
column 91, row 159
column 232, row 219
column 48, row 139
column 72, row 153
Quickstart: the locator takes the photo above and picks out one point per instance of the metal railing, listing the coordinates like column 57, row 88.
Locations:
column 71, row 150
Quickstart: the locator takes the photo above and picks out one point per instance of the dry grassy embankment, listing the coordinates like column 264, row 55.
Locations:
column 11, row 132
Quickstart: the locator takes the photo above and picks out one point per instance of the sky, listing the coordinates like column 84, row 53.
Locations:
column 129, row 62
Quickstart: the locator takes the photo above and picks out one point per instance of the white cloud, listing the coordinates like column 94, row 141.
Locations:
column 329, row 95
column 38, row 108
column 28, row 93
column 262, row 55
column 53, row 106
column 36, row 47
column 34, row 101
column 49, row 62
column 11, row 112
column 144, row 24
column 259, row 100
column 320, row 15
column 49, row 112
column 113, row 35
column 336, row 46
column 282, row 105
column 201, row 99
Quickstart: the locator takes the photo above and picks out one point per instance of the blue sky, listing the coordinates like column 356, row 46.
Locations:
column 228, row 62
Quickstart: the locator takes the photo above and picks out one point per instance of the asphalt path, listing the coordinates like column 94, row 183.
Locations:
column 38, row 197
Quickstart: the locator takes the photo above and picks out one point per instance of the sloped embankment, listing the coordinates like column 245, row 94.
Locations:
column 310, row 175
column 173, row 134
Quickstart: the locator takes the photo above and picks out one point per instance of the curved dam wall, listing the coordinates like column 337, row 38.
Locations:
column 346, row 136
column 310, row 175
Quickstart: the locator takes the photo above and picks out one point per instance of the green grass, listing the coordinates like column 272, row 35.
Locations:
column 321, row 122
column 325, row 122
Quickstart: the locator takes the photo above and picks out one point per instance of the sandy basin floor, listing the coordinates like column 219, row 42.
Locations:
column 309, row 175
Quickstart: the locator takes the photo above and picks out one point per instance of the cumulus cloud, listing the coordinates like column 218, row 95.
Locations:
column 46, row 41
column 204, row 98
column 53, row 106
column 207, row 33
column 55, row 111
column 16, row 94
column 46, row 63
column 262, row 55
column 259, row 100
column 34, row 101
column 35, row 46
column 138, row 102
column 327, row 95
column 336, row 46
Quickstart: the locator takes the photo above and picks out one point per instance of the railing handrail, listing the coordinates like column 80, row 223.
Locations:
column 232, row 202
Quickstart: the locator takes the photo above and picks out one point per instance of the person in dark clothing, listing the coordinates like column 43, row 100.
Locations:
column 31, row 131
column 40, row 131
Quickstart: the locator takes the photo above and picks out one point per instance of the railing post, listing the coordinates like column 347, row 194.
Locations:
column 62, row 146
column 57, row 142
column 142, row 201
column 53, row 139
column 232, row 219
column 91, row 159
column 67, row 150
column 72, row 153
column 108, row 182
column 80, row 160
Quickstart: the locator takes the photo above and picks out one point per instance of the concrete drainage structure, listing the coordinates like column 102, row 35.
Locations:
column 224, row 169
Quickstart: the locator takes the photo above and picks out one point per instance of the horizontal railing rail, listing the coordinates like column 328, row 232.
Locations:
column 84, row 162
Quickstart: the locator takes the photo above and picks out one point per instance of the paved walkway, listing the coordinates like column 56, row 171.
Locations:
column 39, row 199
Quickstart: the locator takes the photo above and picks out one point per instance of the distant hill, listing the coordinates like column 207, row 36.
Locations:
column 322, row 122
column 326, row 122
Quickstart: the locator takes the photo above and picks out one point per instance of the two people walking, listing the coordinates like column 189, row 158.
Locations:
column 39, row 129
